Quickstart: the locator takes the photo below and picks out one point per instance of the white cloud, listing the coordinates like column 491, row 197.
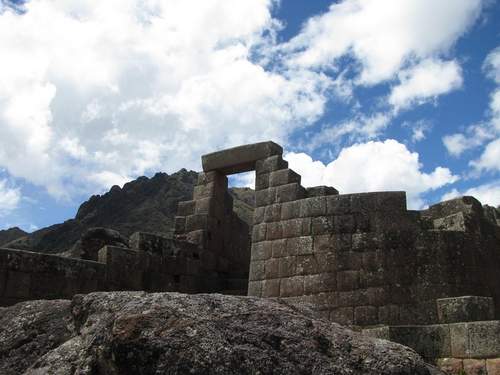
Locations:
column 373, row 166
column 489, row 159
column 358, row 128
column 382, row 35
column 9, row 198
column 93, row 92
column 487, row 193
column 424, row 82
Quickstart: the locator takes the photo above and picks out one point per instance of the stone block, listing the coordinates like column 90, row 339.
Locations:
column 362, row 222
column 465, row 309
column 300, row 245
column 290, row 210
column 354, row 298
column 450, row 366
column 289, row 192
column 323, row 282
column 261, row 181
column 306, row 265
column 327, row 262
column 388, row 314
column 343, row 316
column 265, row 197
column 209, row 190
column 365, row 315
column 272, row 213
column 283, row 177
column 322, row 225
column 212, row 176
column 185, row 208
column 432, row 341
column 349, row 261
column 474, row 366
column 292, row 286
column 287, row 266
column 271, row 269
column 315, row 206
column 338, row 205
column 259, row 232
column 320, row 191
column 322, row 243
column 493, row 366
column 257, row 270
column 279, row 248
column 475, row 339
column 180, row 224
column 241, row 158
column 274, row 231
column 341, row 242
column 261, row 250
column 344, row 224
column 271, row 288
column 296, row 227
column 197, row 222
column 197, row 237
column 124, row 267
column 270, row 164
column 255, row 288
column 347, row 280
column 258, row 214
column 391, row 201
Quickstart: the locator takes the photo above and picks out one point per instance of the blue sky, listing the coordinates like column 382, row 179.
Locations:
column 364, row 95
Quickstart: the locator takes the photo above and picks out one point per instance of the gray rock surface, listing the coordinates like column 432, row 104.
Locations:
column 170, row 333
column 31, row 329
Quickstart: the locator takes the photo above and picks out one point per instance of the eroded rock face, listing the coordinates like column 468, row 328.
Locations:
column 170, row 333
column 31, row 329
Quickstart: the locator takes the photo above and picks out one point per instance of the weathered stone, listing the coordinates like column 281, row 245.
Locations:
column 272, row 269
column 270, row 164
column 279, row 248
column 347, row 280
column 343, row 315
column 322, row 225
column 257, row 270
column 272, row 213
column 315, row 206
column 261, row 250
column 287, row 266
column 296, row 227
column 271, row 288
column 239, row 159
column 289, row 192
column 259, row 232
column 365, row 315
column 320, row 191
column 300, row 245
column 292, row 286
column 323, row 282
column 186, row 208
column 474, row 366
column 119, row 333
column 493, row 366
column 450, row 365
column 283, row 177
column 265, row 197
column 465, row 309
column 290, row 210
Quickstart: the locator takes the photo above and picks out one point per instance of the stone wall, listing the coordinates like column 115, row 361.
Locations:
column 26, row 276
column 360, row 259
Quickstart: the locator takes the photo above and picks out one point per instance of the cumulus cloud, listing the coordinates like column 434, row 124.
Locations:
column 425, row 81
column 94, row 93
column 9, row 198
column 487, row 193
column 382, row 36
column 373, row 166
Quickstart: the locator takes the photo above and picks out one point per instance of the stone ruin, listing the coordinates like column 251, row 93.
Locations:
column 428, row 279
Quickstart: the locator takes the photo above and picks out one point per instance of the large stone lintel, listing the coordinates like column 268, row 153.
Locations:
column 239, row 159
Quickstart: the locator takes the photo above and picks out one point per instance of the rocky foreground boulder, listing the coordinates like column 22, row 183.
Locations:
column 170, row 333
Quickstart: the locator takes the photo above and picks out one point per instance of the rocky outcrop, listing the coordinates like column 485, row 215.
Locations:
column 11, row 234
column 29, row 330
column 170, row 333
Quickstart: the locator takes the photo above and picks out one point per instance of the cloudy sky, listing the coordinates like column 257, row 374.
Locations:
column 364, row 95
